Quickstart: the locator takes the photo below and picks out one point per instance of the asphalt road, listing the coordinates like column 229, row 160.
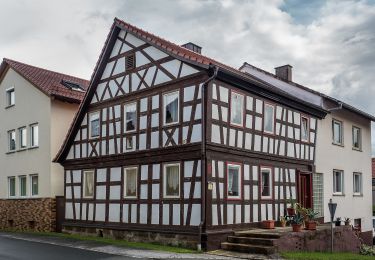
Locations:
column 15, row 249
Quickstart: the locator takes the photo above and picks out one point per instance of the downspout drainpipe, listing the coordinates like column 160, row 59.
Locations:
column 336, row 108
column 203, row 154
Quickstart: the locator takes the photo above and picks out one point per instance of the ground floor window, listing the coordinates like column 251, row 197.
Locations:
column 234, row 181
column 22, row 180
column 34, row 184
column 130, row 182
column 88, row 184
column 266, row 183
column 357, row 183
column 12, row 186
column 338, row 182
column 171, row 180
column 318, row 193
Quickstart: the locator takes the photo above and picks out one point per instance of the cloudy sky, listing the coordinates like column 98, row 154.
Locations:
column 330, row 44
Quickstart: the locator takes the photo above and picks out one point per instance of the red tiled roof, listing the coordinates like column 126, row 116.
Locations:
column 174, row 48
column 49, row 82
column 373, row 167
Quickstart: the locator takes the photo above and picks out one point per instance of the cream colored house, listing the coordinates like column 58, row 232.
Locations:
column 36, row 110
column 342, row 157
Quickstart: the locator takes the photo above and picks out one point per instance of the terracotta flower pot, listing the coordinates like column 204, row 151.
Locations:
column 310, row 225
column 283, row 224
column 291, row 211
column 297, row 227
column 268, row 224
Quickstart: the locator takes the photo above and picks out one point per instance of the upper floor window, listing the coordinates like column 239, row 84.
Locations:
column 357, row 183
column 338, row 182
column 304, row 129
column 234, row 181
column 22, row 181
column 12, row 186
column 236, row 109
column 171, row 108
column 130, row 117
column 23, row 137
column 357, row 138
column 171, row 181
column 34, row 185
column 269, row 118
column 12, row 140
column 337, row 132
column 10, row 97
column 94, row 124
column 88, row 184
column 266, row 183
column 130, row 185
column 34, row 135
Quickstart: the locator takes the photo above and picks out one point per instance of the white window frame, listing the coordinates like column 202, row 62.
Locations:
column 34, row 138
column 165, row 95
column 359, row 138
column 126, row 144
column 239, row 168
column 31, row 185
column 307, row 129
column 136, row 182
column 136, row 117
column 8, row 97
column 10, row 132
column 23, row 137
column 273, row 118
column 334, row 182
column 240, row 98
column 270, row 172
column 95, row 114
column 20, row 185
column 84, row 184
column 165, row 181
column 15, row 187
column 360, row 183
column 334, row 121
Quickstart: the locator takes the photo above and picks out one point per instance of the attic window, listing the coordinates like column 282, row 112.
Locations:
column 130, row 62
column 72, row 85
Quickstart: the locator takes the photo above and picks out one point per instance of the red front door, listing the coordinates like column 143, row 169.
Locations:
column 304, row 186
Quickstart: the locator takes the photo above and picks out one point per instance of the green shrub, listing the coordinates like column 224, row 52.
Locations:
column 367, row 250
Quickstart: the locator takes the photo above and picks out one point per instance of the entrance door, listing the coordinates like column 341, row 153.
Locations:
column 304, row 186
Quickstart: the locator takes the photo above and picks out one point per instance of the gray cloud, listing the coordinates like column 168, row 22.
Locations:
column 329, row 43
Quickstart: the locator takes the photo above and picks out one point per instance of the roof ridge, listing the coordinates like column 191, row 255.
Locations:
column 7, row 60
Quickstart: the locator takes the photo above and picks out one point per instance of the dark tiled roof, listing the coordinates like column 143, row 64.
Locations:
column 49, row 82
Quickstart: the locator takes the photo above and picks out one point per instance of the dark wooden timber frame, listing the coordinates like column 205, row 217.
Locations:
column 180, row 150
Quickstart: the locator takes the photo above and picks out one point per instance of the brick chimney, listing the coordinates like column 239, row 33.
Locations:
column 284, row 72
column 193, row 47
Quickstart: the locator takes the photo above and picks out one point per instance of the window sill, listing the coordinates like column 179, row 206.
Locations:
column 10, row 152
column 338, row 194
column 340, row 145
column 357, row 195
column 357, row 149
column 22, row 149
column 33, row 147
column 10, row 106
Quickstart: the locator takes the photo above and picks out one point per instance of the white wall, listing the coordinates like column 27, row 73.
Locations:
column 330, row 156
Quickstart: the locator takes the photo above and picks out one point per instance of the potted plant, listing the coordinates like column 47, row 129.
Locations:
column 338, row 222
column 347, row 221
column 268, row 224
column 291, row 210
column 297, row 222
column 283, row 221
column 310, row 223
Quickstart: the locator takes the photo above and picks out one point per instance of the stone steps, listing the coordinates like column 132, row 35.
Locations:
column 252, row 242
column 246, row 248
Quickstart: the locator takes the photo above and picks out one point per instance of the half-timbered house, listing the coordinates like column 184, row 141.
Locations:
column 169, row 144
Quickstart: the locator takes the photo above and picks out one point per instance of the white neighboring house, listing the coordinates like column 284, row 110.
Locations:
column 343, row 152
column 36, row 110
